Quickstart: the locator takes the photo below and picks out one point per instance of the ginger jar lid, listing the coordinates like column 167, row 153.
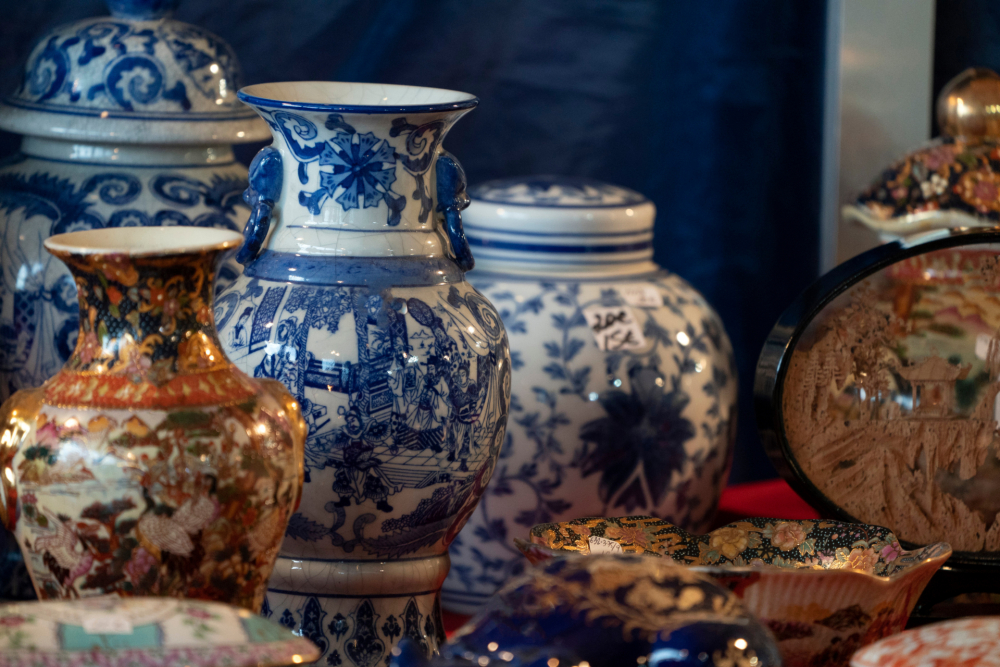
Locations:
column 112, row 631
column 136, row 76
column 878, row 392
column 558, row 222
column 953, row 181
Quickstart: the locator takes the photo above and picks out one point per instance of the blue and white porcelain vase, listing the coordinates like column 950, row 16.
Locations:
column 624, row 383
column 354, row 296
column 127, row 120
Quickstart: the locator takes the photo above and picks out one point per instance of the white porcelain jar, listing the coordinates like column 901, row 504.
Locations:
column 624, row 383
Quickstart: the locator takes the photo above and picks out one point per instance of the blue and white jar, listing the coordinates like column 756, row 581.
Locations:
column 354, row 296
column 624, row 382
column 127, row 120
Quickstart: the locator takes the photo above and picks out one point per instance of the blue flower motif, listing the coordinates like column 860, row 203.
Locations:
column 644, row 427
column 363, row 172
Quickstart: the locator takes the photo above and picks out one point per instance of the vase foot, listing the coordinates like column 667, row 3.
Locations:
column 356, row 611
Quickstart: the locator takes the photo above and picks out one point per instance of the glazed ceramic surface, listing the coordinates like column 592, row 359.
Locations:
column 968, row 642
column 609, row 611
column 354, row 297
column 152, row 632
column 127, row 122
column 953, row 181
column 884, row 406
column 824, row 588
column 150, row 465
column 624, row 386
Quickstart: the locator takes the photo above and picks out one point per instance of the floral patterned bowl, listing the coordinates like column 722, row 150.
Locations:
column 824, row 588
column 966, row 642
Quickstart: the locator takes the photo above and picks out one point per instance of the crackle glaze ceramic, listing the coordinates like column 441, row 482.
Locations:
column 353, row 295
column 128, row 120
column 144, row 632
column 966, row 642
column 824, row 588
column 624, row 386
column 608, row 611
column 149, row 465
column 951, row 182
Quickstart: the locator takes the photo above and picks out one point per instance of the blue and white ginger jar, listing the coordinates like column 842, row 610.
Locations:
column 354, row 296
column 624, row 382
column 127, row 120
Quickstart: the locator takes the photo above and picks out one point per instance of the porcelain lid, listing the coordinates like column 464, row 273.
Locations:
column 113, row 631
column 953, row 181
column 558, row 223
column 136, row 76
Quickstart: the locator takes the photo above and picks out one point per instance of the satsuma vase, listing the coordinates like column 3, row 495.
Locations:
column 149, row 465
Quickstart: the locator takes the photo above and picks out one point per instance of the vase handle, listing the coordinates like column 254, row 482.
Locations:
column 452, row 200
column 266, row 175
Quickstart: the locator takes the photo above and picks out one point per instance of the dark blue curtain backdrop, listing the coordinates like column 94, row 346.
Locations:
column 712, row 109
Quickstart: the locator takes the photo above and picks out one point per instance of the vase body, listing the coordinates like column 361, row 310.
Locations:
column 149, row 465
column 358, row 304
column 624, row 382
column 127, row 120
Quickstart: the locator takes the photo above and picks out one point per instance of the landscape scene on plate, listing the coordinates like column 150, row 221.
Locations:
column 418, row 413
column 891, row 405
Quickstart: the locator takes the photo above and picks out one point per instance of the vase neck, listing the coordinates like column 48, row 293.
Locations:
column 148, row 318
column 358, row 184
column 126, row 155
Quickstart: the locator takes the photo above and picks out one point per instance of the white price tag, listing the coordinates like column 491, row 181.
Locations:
column 614, row 328
column 602, row 545
column 641, row 296
column 107, row 624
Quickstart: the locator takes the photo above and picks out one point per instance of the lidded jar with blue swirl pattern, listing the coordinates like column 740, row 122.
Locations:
column 624, row 383
column 127, row 120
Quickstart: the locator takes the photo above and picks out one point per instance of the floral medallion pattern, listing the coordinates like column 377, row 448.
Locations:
column 360, row 169
column 824, row 588
column 149, row 465
column 595, row 431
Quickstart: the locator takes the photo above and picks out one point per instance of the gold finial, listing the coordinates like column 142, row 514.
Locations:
column 969, row 105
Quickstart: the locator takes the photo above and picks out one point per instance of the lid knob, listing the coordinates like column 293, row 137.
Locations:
column 969, row 105
column 142, row 10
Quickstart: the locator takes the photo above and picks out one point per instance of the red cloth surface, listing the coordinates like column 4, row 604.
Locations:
column 772, row 498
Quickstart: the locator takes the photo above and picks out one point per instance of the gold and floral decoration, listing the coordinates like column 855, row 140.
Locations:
column 950, row 174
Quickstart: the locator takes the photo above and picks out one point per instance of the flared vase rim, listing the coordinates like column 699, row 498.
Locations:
column 350, row 97
column 144, row 241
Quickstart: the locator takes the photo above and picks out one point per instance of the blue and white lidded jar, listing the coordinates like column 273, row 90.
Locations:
column 128, row 120
column 354, row 296
column 624, row 382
